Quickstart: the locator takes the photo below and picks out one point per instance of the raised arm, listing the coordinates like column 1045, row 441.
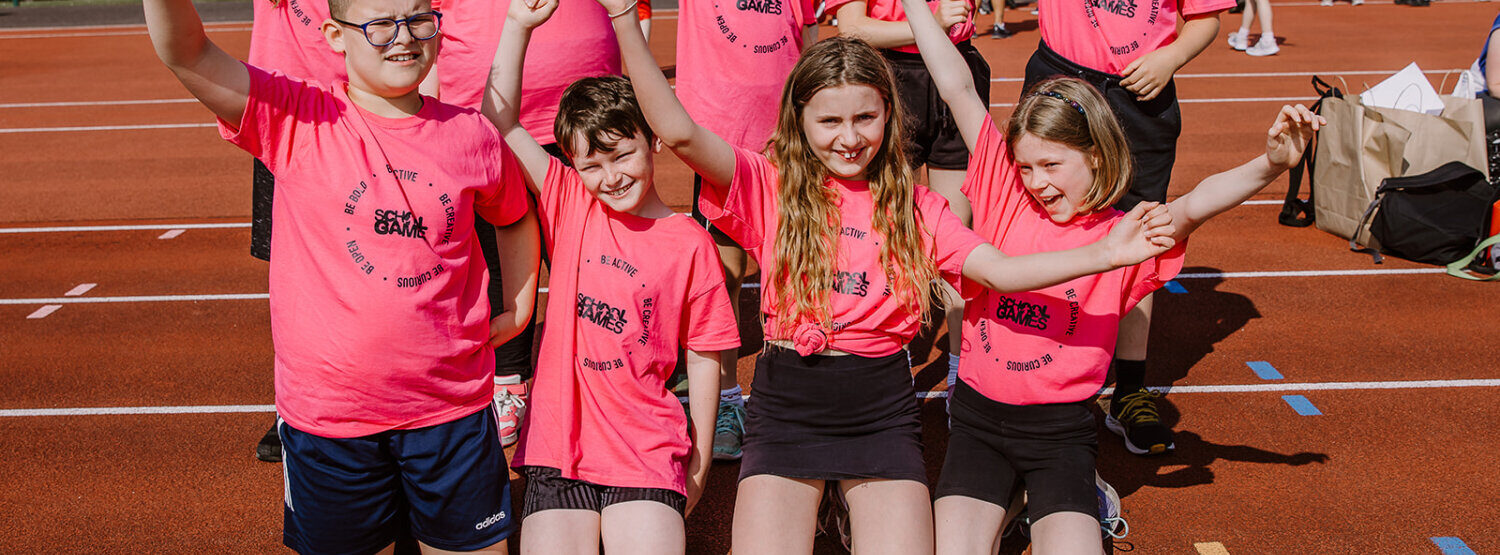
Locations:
column 854, row 21
column 217, row 79
column 519, row 245
column 502, row 95
column 1143, row 233
column 703, row 151
column 1285, row 142
column 949, row 72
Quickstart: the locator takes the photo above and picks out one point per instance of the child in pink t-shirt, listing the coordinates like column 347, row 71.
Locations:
column 1032, row 360
column 378, row 317
column 1129, row 51
column 760, row 41
column 607, row 453
column 851, row 248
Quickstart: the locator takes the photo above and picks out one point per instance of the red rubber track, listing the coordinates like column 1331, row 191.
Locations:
column 1381, row 471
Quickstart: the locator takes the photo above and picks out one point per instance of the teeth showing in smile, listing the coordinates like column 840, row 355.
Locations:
column 402, row 57
column 849, row 156
column 619, row 192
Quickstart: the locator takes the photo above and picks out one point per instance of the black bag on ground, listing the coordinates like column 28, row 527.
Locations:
column 1435, row 218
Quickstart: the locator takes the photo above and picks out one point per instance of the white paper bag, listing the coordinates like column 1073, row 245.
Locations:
column 1407, row 90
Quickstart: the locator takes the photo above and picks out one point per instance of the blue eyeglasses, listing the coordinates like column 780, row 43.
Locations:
column 383, row 32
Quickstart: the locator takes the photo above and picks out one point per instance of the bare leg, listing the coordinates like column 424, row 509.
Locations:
column 875, row 504
column 1066, row 533
column 775, row 515
column 560, row 531
column 643, row 527
column 967, row 526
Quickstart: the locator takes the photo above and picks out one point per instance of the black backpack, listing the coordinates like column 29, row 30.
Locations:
column 1435, row 218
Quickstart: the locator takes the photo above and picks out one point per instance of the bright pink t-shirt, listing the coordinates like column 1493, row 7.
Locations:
column 288, row 37
column 1052, row 345
column 576, row 42
column 733, row 57
column 626, row 293
column 866, row 320
column 1107, row 35
column 378, row 306
column 891, row 10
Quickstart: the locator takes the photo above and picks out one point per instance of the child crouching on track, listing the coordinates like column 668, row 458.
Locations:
column 606, row 452
column 1033, row 360
column 382, row 334
column 851, row 248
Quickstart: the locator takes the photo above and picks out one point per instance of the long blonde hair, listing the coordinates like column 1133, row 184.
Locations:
column 1071, row 112
column 808, row 234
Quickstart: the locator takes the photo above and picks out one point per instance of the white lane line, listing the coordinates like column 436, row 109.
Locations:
column 107, row 128
column 1262, row 202
column 43, row 312
column 98, row 103
column 1312, row 273
column 139, row 299
column 137, row 26
column 172, row 234
column 1280, row 387
column 1264, row 74
column 1209, row 100
column 108, row 411
column 80, row 290
column 107, row 34
column 74, row 228
column 1258, row 388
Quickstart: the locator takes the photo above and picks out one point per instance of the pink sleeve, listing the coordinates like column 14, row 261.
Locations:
column 992, row 179
column 952, row 241
column 1200, row 7
column 504, row 201
column 556, row 190
column 1150, row 275
column 741, row 209
column 832, row 6
column 708, row 322
column 266, row 128
column 807, row 12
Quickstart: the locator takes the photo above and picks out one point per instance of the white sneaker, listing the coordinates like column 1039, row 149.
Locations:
column 1266, row 46
column 1356, row 2
column 1326, row 3
column 1239, row 40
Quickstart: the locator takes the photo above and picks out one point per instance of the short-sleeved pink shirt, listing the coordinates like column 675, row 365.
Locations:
column 867, row 321
column 625, row 294
column 288, row 37
column 733, row 58
column 378, row 308
column 892, row 10
column 1107, row 35
column 1052, row 345
column 577, row 41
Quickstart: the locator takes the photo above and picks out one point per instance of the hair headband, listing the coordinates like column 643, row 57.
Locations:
column 1059, row 96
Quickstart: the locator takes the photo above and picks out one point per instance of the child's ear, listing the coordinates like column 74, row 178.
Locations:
column 656, row 145
column 333, row 33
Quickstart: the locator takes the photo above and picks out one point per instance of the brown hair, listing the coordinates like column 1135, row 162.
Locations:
column 1090, row 127
column 809, row 221
column 601, row 109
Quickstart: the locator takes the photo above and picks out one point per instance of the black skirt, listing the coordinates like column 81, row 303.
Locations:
column 832, row 418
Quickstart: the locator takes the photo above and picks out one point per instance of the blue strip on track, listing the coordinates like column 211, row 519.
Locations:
column 1300, row 404
column 1174, row 287
column 1452, row 546
column 1264, row 370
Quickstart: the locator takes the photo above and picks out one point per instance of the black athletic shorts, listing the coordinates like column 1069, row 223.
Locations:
column 1151, row 127
column 932, row 136
column 546, row 489
column 994, row 447
column 262, row 187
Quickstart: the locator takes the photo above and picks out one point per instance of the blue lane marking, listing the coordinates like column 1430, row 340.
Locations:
column 1452, row 546
column 1174, row 287
column 1264, row 370
column 1300, row 404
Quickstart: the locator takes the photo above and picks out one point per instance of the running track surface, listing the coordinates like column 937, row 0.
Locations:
column 1402, row 452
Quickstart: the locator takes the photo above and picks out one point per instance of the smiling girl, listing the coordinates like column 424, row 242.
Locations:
column 1033, row 360
column 850, row 247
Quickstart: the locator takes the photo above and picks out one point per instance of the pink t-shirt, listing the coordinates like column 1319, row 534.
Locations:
column 378, row 307
column 1052, row 345
column 733, row 58
column 288, row 37
column 626, row 293
column 576, row 42
column 891, row 10
column 866, row 321
column 1107, row 35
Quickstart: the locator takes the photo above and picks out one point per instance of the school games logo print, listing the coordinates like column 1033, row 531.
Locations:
column 405, row 224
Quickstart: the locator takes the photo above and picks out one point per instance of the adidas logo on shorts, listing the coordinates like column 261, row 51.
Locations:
column 491, row 520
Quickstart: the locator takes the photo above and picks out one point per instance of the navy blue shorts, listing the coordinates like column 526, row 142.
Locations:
column 448, row 486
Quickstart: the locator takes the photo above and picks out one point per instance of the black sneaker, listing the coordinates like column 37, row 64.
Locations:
column 1134, row 417
column 986, row 7
column 1000, row 32
column 269, row 448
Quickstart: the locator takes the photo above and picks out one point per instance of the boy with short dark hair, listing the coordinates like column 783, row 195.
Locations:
column 607, row 452
column 382, row 336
